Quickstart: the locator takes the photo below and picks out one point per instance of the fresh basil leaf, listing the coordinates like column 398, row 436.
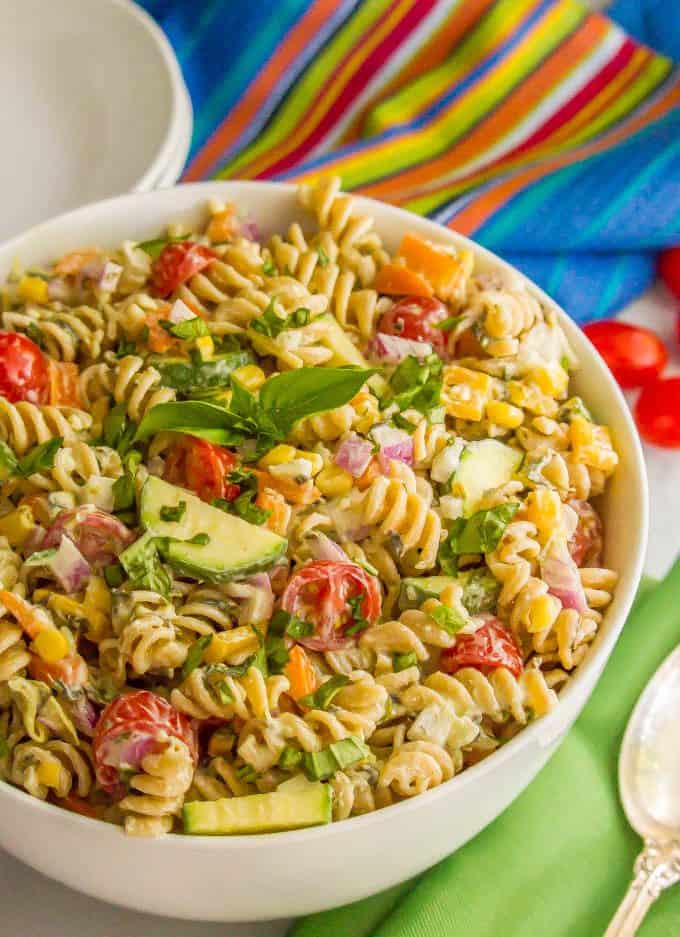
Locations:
column 35, row 335
column 173, row 515
column 118, row 432
column 402, row 423
column 196, row 375
column 482, row 532
column 187, row 329
column 404, row 661
column 246, row 773
column 276, row 652
column 236, row 670
column 269, row 268
column 324, row 259
column 480, row 591
column 40, row 458
column 283, row 622
column 124, row 348
column 154, row 247
column 271, row 324
column 195, row 655
column 8, row 461
column 243, row 506
column 324, row 695
column 114, row 575
column 123, row 493
column 200, row 540
column 196, row 418
column 360, row 623
column 142, row 564
column 448, row 324
column 448, row 619
column 418, row 384
column 293, row 395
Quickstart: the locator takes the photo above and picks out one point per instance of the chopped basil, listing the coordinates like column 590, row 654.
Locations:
column 200, row 540
column 448, row 324
column 35, row 335
column 124, row 348
column 417, row 384
column 154, row 247
column 8, row 461
column 269, row 268
column 114, row 575
column 276, row 653
column 448, row 619
column 173, row 514
column 324, row 259
column 564, row 362
column 323, row 696
column 187, row 329
column 401, row 422
column 271, row 324
column 404, row 661
column 142, row 563
column 243, row 505
column 123, row 493
column 40, row 458
column 195, row 655
column 284, row 623
column 360, row 623
column 290, row 758
column 118, row 432
column 480, row 533
column 246, row 773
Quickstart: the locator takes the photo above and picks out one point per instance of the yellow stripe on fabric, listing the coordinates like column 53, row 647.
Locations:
column 441, row 134
column 422, row 92
column 305, row 93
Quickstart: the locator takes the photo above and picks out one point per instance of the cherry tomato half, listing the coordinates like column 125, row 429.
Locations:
column 415, row 317
column 99, row 536
column 23, row 369
column 132, row 727
column 634, row 355
column 202, row 467
column 177, row 263
column 585, row 545
column 320, row 593
column 669, row 269
column 657, row 412
column 486, row 649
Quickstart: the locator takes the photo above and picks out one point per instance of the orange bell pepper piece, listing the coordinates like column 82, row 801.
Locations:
column 300, row 672
column 73, row 263
column 292, row 491
column 439, row 268
column 397, row 280
column 64, row 389
column 370, row 473
column 222, row 225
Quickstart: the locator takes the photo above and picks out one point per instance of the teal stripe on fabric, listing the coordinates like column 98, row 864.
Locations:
column 612, row 288
column 192, row 40
column 557, row 275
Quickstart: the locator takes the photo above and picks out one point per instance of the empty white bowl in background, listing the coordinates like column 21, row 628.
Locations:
column 93, row 104
column 243, row 878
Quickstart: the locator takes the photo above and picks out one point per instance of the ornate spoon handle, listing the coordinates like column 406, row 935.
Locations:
column 656, row 868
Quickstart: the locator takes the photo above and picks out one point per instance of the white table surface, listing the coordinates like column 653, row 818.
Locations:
column 33, row 906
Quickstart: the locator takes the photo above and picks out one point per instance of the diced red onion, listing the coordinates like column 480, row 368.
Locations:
column 392, row 349
column 250, row 229
column 127, row 750
column 394, row 444
column 109, row 277
column 562, row 577
column 354, row 454
column 323, row 548
column 67, row 564
column 99, row 536
column 180, row 312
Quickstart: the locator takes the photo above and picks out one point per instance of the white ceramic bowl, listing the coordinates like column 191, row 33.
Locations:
column 278, row 875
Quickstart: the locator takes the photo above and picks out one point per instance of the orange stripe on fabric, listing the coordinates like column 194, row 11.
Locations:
column 259, row 91
column 474, row 215
column 328, row 92
column 436, row 49
column 499, row 123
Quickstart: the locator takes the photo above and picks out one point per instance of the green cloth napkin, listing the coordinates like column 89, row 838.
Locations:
column 559, row 859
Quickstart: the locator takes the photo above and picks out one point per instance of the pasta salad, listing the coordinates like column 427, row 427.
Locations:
column 291, row 528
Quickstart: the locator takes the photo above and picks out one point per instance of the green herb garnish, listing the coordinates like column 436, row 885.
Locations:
column 271, row 324
column 173, row 515
column 324, row 695
column 195, row 655
column 187, row 329
column 324, row 259
column 39, row 459
column 480, row 533
column 114, row 575
column 269, row 268
column 404, row 661
column 154, row 247
column 125, row 347
column 360, row 623
column 448, row 324
column 118, row 431
column 417, row 384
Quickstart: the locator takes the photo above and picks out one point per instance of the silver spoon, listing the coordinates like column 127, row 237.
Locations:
column 649, row 785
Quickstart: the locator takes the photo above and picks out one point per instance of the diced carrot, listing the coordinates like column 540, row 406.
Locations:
column 370, row 473
column 441, row 269
column 74, row 262
column 273, row 501
column 77, row 805
column 26, row 614
column 300, row 672
column 397, row 280
column 222, row 225
column 64, row 389
column 292, row 491
column 71, row 670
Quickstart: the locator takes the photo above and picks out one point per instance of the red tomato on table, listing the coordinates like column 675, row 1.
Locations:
column 177, row 263
column 416, row 317
column 634, row 355
column 132, row 727
column 202, row 467
column 320, row 593
column 669, row 269
column 24, row 371
column 657, row 412
column 488, row 648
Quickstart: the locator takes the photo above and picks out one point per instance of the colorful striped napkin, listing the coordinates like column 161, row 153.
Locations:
column 542, row 130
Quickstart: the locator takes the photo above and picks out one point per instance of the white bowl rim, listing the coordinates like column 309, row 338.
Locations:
column 625, row 591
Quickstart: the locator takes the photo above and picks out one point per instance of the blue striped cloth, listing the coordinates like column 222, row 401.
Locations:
column 588, row 233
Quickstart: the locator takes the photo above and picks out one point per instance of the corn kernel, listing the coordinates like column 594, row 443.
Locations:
column 315, row 460
column 17, row 525
column 504, row 414
column 531, row 398
column 542, row 613
column 279, row 455
column 241, row 641
column 551, row 378
column 250, row 376
column 33, row 289
column 334, row 481
column 48, row 773
column 97, row 594
column 66, row 606
column 205, row 346
column 592, row 445
column 51, row 645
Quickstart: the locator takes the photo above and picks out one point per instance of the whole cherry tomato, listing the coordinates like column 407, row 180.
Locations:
column 202, row 467
column 132, row 727
column 657, row 412
column 177, row 263
column 486, row 649
column 634, row 355
column 669, row 269
column 585, row 545
column 24, row 372
column 416, row 318
column 321, row 592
